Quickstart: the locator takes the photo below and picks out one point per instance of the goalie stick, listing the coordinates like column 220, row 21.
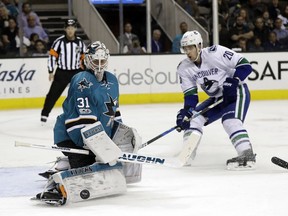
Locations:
column 280, row 162
column 174, row 162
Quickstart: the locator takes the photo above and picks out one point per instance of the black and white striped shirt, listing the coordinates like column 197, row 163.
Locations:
column 65, row 54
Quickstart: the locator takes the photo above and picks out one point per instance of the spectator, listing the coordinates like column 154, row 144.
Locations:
column 136, row 47
column 233, row 13
column 223, row 9
column 241, row 46
column 156, row 44
column 176, row 41
column 254, row 8
column 274, row 9
column 261, row 31
column 240, row 31
column 282, row 34
column 127, row 38
column 267, row 20
column 224, row 38
column 40, row 49
column 13, row 10
column 8, row 36
column 272, row 44
column 4, row 17
column 33, row 38
column 284, row 17
column 26, row 42
column 11, row 40
column 25, row 51
column 26, row 11
column 256, row 45
column 33, row 28
column 243, row 13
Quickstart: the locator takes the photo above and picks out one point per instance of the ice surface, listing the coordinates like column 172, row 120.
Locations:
column 206, row 188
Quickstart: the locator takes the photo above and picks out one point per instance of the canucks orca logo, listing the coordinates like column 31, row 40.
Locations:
column 208, row 83
column 211, row 87
column 83, row 84
column 212, row 48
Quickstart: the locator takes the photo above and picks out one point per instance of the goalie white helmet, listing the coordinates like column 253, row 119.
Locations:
column 96, row 58
column 189, row 39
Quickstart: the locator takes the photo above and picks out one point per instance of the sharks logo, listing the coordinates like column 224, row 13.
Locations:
column 84, row 84
column 107, row 84
column 109, row 105
column 110, row 111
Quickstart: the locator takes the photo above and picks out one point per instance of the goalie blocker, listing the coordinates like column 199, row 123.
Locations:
column 126, row 139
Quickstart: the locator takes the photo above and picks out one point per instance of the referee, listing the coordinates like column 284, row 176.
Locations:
column 66, row 54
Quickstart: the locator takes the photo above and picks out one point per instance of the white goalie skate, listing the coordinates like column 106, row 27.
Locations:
column 246, row 161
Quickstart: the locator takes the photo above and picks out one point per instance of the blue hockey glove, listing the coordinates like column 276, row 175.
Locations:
column 230, row 90
column 183, row 119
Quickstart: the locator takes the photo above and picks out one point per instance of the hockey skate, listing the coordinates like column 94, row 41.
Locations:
column 47, row 174
column 246, row 161
column 53, row 196
column 61, row 163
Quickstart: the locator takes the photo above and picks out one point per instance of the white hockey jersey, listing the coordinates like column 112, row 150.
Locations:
column 218, row 63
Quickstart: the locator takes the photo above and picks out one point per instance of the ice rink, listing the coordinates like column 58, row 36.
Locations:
column 206, row 188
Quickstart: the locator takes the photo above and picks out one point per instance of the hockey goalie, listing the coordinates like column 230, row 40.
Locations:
column 91, row 120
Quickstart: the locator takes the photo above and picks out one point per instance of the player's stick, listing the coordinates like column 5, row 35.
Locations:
column 175, row 127
column 125, row 157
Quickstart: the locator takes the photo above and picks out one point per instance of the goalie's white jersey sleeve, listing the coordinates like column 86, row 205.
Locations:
column 218, row 63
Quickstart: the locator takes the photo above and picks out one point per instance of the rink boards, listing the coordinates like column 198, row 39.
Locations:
column 142, row 79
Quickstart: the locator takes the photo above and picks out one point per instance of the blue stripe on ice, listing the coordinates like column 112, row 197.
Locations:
column 21, row 181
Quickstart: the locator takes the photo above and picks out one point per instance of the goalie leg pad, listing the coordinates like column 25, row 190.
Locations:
column 128, row 140
column 90, row 182
column 96, row 139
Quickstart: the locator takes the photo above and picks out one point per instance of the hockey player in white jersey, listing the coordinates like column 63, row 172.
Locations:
column 221, row 73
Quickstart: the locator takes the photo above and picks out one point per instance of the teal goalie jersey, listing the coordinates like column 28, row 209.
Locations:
column 88, row 101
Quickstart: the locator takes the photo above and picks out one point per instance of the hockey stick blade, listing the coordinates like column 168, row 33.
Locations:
column 174, row 162
column 279, row 162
